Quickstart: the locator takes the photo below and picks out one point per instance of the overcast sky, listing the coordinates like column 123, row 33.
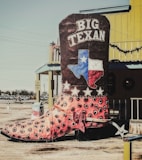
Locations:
column 27, row 27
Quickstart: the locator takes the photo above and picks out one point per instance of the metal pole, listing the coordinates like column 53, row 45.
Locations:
column 50, row 92
column 125, row 109
column 137, row 109
column 131, row 108
column 37, row 87
column 127, row 150
column 119, row 102
column 57, row 84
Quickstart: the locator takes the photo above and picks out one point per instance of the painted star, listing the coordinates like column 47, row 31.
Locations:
column 75, row 92
column 120, row 130
column 100, row 91
column 87, row 92
column 83, row 59
column 66, row 85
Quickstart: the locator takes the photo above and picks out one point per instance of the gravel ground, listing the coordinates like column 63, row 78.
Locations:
column 103, row 149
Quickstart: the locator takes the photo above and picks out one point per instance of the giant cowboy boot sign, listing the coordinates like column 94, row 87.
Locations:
column 84, row 42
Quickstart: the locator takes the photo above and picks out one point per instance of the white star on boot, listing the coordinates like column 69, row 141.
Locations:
column 100, row 91
column 87, row 92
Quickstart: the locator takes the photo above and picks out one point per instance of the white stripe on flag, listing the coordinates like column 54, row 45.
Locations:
column 95, row 64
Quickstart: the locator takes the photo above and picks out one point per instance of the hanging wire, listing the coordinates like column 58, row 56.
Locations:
column 126, row 51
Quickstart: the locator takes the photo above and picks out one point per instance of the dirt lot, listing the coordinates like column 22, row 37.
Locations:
column 71, row 149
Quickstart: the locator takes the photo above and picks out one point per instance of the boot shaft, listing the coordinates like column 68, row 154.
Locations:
column 84, row 41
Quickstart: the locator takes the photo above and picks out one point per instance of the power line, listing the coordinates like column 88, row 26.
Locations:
column 11, row 29
column 23, row 41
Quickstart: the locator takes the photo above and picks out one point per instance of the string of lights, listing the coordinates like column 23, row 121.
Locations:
column 126, row 51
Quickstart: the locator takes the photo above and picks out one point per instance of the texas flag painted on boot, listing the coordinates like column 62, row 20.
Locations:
column 91, row 69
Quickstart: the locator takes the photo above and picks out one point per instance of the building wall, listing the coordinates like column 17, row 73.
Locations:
column 126, row 33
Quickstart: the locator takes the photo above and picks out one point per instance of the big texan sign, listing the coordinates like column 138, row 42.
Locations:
column 84, row 41
column 86, row 30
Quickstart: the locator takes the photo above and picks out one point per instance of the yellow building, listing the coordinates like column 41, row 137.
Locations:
column 126, row 33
